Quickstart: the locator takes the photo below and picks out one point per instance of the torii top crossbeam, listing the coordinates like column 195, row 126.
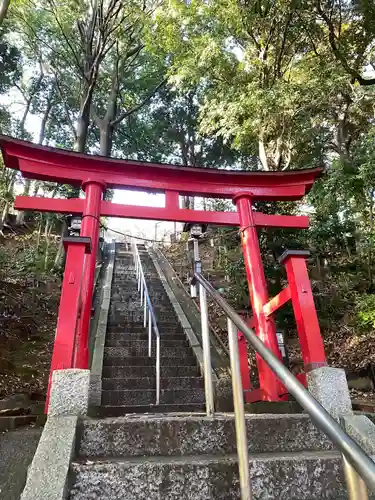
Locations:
column 52, row 164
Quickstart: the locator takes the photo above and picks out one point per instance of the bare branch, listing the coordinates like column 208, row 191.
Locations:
column 66, row 108
column 136, row 108
column 66, row 38
column 356, row 76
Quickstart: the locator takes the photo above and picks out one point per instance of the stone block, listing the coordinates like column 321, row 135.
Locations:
column 330, row 388
column 285, row 477
column 47, row 477
column 69, row 392
column 362, row 430
column 196, row 435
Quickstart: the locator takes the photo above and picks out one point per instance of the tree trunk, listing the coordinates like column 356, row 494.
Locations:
column 47, row 234
column 46, row 255
column 46, row 228
column 262, row 151
column 106, row 138
column 83, row 121
column 26, row 191
column 61, row 251
column 38, row 236
column 106, row 126
column 3, row 10
column 4, row 216
column 370, row 238
column 188, row 202
column 47, row 111
column 81, row 134
column 36, row 187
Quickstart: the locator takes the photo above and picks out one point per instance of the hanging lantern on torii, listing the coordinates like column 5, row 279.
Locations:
column 95, row 174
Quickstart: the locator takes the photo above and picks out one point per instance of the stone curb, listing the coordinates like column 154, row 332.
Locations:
column 95, row 393
column 47, row 478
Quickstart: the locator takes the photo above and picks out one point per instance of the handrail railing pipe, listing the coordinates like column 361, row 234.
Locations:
column 355, row 485
column 239, row 412
column 352, row 452
column 145, row 315
column 149, row 319
column 149, row 334
column 208, row 387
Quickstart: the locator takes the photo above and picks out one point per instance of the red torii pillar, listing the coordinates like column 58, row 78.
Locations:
column 265, row 326
column 94, row 190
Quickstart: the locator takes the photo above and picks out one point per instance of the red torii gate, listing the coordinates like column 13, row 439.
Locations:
column 94, row 174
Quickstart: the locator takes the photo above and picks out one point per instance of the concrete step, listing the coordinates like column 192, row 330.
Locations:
column 288, row 476
column 126, row 371
column 120, row 411
column 190, row 435
column 122, row 291
column 143, row 336
column 150, row 383
column 148, row 397
column 126, row 281
column 126, row 270
column 129, row 297
column 135, row 315
column 142, row 345
column 119, row 360
column 138, row 327
column 126, row 273
column 122, row 285
column 137, row 349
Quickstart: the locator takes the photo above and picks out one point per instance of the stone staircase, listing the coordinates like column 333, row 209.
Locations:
column 193, row 457
column 173, row 451
column 129, row 379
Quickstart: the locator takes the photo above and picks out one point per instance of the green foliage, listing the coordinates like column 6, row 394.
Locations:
column 365, row 309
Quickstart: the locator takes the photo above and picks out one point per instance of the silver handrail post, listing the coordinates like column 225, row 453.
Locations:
column 206, row 352
column 157, row 368
column 356, row 487
column 239, row 413
column 148, row 315
column 145, row 312
column 149, row 334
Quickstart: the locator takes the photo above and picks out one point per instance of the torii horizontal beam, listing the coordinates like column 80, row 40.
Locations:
column 75, row 206
column 67, row 167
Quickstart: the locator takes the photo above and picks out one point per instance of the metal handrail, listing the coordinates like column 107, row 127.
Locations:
column 351, row 451
column 149, row 317
column 184, row 288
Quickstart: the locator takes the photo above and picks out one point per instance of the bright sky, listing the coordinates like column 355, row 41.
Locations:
column 141, row 227
column 131, row 226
